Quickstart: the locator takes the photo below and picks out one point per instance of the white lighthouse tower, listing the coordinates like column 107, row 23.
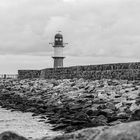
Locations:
column 58, row 46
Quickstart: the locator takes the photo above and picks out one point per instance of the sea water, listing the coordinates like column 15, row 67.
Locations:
column 24, row 124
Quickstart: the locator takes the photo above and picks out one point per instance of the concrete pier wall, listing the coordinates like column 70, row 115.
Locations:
column 130, row 71
column 28, row 74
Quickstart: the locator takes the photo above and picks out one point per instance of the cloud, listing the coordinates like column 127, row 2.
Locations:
column 93, row 28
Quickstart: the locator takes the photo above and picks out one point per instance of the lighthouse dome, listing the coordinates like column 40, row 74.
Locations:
column 58, row 39
column 58, row 35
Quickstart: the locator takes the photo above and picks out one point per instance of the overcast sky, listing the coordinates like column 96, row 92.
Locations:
column 98, row 31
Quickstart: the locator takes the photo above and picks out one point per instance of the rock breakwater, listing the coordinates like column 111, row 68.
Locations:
column 74, row 104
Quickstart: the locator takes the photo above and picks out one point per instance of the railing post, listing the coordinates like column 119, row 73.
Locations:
column 11, row 76
column 4, row 76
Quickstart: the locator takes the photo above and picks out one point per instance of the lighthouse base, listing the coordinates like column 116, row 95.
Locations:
column 58, row 62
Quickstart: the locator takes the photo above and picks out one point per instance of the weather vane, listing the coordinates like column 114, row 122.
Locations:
column 59, row 31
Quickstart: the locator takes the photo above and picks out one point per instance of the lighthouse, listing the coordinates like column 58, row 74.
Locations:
column 58, row 46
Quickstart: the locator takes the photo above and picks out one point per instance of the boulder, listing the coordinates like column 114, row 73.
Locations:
column 128, row 131
column 118, row 105
column 122, row 115
column 134, row 107
column 100, row 120
column 92, row 111
column 11, row 136
column 110, row 105
column 135, row 115
column 124, row 131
